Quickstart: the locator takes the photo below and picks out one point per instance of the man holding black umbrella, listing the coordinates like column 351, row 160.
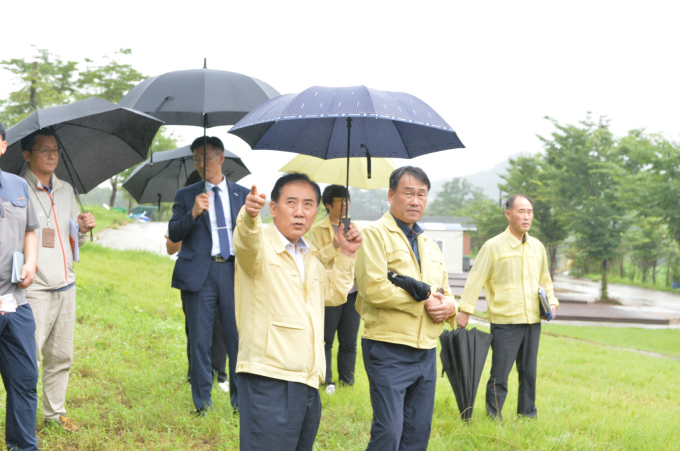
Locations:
column 204, row 271
column 400, row 332
column 511, row 267
column 53, row 294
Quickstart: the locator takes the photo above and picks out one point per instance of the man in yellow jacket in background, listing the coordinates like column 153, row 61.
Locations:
column 343, row 319
column 281, row 290
column 399, row 342
column 510, row 267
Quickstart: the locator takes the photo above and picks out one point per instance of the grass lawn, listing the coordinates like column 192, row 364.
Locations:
column 664, row 341
column 128, row 387
column 106, row 219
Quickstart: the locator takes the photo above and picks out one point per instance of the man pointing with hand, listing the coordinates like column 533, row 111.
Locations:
column 282, row 289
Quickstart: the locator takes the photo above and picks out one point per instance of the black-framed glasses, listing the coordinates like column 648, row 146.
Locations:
column 48, row 152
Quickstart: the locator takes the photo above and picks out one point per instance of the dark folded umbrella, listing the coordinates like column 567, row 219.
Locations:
column 463, row 356
column 417, row 289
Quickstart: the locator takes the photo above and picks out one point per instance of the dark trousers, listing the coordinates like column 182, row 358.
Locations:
column 216, row 297
column 510, row 343
column 276, row 414
column 345, row 320
column 19, row 369
column 402, row 381
column 218, row 350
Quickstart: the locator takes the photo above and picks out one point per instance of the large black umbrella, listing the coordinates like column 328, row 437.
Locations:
column 347, row 122
column 164, row 173
column 98, row 139
column 200, row 97
column 463, row 355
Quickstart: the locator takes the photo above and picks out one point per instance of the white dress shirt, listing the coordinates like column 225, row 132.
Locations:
column 297, row 251
column 224, row 197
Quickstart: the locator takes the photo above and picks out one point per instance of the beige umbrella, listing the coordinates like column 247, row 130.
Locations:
column 335, row 171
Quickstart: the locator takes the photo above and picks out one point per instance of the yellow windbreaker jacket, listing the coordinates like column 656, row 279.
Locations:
column 510, row 273
column 279, row 318
column 321, row 236
column 390, row 314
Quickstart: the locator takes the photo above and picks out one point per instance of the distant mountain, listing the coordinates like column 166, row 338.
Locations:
column 487, row 180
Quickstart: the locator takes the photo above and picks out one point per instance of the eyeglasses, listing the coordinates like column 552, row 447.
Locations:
column 199, row 160
column 47, row 152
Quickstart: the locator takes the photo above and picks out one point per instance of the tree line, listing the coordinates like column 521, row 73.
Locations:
column 612, row 202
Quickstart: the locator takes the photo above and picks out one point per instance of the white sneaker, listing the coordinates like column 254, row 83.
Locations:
column 224, row 386
column 330, row 389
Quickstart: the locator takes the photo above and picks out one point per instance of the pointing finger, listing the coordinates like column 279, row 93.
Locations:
column 253, row 190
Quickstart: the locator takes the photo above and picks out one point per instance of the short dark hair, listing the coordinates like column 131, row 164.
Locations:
column 3, row 131
column 510, row 202
column 28, row 142
column 292, row 178
column 213, row 141
column 413, row 171
column 331, row 192
column 194, row 177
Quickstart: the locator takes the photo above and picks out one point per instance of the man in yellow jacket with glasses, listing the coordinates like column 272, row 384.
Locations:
column 511, row 267
column 399, row 342
column 281, row 290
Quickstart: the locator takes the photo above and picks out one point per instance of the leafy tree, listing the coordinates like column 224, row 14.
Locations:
column 654, row 162
column 645, row 240
column 455, row 196
column 528, row 174
column 48, row 81
column 586, row 174
column 44, row 82
column 489, row 219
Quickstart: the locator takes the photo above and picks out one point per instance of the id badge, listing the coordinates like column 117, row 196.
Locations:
column 8, row 304
column 48, row 237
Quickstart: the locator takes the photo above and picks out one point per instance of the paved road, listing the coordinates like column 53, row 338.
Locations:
column 145, row 236
column 630, row 296
column 577, row 303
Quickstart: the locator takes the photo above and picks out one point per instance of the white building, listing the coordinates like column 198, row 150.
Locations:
column 447, row 231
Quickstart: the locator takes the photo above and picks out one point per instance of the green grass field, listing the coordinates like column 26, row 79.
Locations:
column 128, row 387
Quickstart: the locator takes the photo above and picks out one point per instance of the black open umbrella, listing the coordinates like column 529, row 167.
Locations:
column 463, row 355
column 98, row 139
column 346, row 122
column 164, row 173
column 200, row 97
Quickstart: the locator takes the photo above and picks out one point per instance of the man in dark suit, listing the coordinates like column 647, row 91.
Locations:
column 204, row 272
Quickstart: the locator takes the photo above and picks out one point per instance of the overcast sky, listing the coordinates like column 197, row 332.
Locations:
column 492, row 70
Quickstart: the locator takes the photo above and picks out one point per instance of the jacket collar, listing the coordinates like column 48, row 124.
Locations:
column 273, row 234
column 390, row 222
column 33, row 180
column 326, row 223
column 512, row 241
column 414, row 230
